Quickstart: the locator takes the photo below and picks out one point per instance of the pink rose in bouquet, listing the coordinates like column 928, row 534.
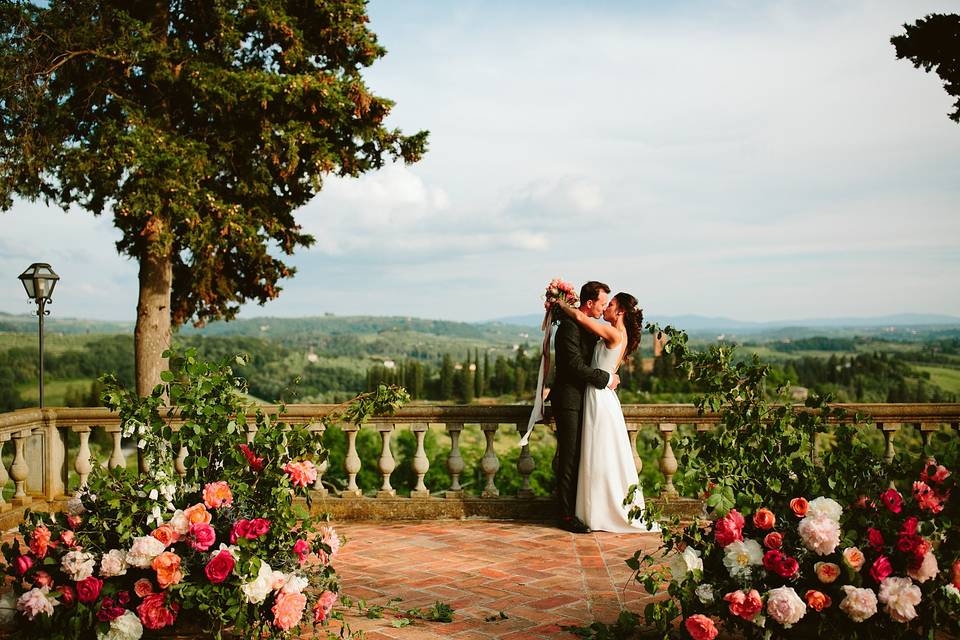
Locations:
column 744, row 604
column 559, row 291
column 202, row 536
column 820, row 534
column 154, row 612
column 88, row 589
column 302, row 549
column 773, row 540
column 23, row 564
column 729, row 528
column 220, row 567
column 288, row 609
column 700, row 627
column 926, row 569
column 302, row 473
column 881, row 568
column 785, row 606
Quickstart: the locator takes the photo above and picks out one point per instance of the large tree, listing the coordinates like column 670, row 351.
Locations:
column 201, row 126
column 934, row 44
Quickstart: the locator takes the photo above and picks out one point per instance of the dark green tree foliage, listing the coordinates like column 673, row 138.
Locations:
column 477, row 374
column 934, row 44
column 446, row 377
column 200, row 126
column 465, row 392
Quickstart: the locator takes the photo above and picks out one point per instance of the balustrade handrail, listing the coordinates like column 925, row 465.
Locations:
column 41, row 437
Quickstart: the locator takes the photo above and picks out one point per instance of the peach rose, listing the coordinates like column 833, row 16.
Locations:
column 853, row 558
column 40, row 540
column 799, row 506
column 700, row 627
column 764, row 519
column 827, row 572
column 143, row 587
column 167, row 566
column 817, row 600
column 773, row 540
column 197, row 514
column 217, row 494
column 288, row 609
column 165, row 534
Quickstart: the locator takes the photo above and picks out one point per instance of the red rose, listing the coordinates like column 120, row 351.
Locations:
column 773, row 540
column 154, row 614
column 23, row 564
column 881, row 568
column 220, row 567
column 302, row 549
column 256, row 462
column 907, row 543
column 68, row 538
column 258, row 527
column 909, row 526
column 892, row 499
column 88, row 589
column 729, row 528
column 875, row 538
column 67, row 595
column 109, row 610
column 787, row 567
column 202, row 536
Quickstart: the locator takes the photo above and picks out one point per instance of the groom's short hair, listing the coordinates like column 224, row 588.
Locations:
column 591, row 291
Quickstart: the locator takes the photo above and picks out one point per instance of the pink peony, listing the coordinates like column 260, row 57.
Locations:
column 700, row 627
column 926, row 570
column 202, row 536
column 288, row 609
column 321, row 610
column 820, row 534
column 858, row 604
column 729, row 528
column 744, row 604
column 785, row 606
column 302, row 473
column 900, row 596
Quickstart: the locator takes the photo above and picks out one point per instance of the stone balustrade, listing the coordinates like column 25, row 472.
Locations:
column 41, row 440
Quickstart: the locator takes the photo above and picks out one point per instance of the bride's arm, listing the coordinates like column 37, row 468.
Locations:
column 606, row 331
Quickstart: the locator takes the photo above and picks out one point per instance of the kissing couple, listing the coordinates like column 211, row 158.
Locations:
column 595, row 467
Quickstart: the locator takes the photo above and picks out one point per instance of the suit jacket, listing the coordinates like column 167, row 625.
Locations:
column 574, row 351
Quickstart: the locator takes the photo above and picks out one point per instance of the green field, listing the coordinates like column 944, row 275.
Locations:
column 944, row 377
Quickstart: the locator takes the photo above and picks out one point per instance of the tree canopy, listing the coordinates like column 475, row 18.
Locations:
column 201, row 126
column 934, row 44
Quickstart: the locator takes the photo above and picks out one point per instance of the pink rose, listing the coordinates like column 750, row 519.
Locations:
column 773, row 540
column 220, row 567
column 302, row 549
column 881, row 568
column 23, row 564
column 744, row 604
column 143, row 587
column 700, row 627
column 88, row 589
column 202, row 536
column 853, row 558
column 302, row 473
column 729, row 528
column 820, row 534
column 288, row 609
column 859, row 604
column 827, row 572
column 785, row 606
column 67, row 595
column 154, row 612
column 69, row 539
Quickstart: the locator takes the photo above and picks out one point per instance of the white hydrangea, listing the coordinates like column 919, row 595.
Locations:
column 125, row 627
column 683, row 563
column 739, row 557
column 827, row 506
column 78, row 565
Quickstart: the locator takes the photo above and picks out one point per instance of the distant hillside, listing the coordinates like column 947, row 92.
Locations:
column 27, row 323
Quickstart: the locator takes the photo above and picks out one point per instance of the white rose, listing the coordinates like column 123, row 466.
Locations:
column 78, row 565
column 113, row 563
column 125, row 627
column 257, row 590
column 826, row 506
column 143, row 550
column 739, row 557
column 295, row 584
column 179, row 522
column 683, row 563
column 859, row 604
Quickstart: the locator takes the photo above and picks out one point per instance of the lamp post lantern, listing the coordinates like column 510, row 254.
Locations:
column 39, row 280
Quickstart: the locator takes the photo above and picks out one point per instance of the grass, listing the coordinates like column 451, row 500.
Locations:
column 946, row 378
column 53, row 343
column 54, row 391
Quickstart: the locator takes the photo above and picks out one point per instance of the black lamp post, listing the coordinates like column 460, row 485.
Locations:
column 39, row 280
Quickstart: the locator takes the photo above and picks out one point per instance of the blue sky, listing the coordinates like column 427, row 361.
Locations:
column 757, row 160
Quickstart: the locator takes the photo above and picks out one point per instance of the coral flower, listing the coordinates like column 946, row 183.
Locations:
column 40, row 541
column 700, row 627
column 197, row 513
column 764, row 519
column 167, row 566
column 799, row 506
column 817, row 600
column 165, row 534
column 217, row 494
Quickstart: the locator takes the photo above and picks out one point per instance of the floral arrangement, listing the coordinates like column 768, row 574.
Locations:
column 559, row 291
column 807, row 568
column 223, row 544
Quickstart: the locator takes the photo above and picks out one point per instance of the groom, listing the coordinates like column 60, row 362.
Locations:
column 574, row 351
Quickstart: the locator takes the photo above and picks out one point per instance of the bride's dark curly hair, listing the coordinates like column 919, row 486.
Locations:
column 632, row 320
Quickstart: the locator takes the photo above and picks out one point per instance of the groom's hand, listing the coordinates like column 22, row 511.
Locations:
column 614, row 381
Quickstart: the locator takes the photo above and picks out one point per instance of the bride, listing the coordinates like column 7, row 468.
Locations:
column 607, row 470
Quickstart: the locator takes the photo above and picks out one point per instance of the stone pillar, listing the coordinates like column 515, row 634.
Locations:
column 668, row 462
column 525, row 465
column 82, row 464
column 490, row 464
column 20, row 469
column 116, row 455
column 455, row 464
column 324, row 465
column 4, row 477
column 351, row 463
column 633, row 430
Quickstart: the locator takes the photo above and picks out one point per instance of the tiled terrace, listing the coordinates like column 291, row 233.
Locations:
column 539, row 576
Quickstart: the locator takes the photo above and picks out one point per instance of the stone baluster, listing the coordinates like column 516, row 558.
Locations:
column 489, row 464
column 455, row 464
column 386, row 463
column 889, row 430
column 927, row 429
column 351, row 463
column 251, row 432
column 525, row 465
column 668, row 462
column 421, row 464
column 633, row 430
column 116, row 455
column 324, row 466
column 82, row 464
column 4, row 477
column 20, row 470
column 180, row 464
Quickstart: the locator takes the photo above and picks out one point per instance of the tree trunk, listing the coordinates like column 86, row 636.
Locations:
column 152, row 334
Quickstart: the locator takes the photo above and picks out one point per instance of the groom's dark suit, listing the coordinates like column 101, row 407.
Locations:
column 574, row 351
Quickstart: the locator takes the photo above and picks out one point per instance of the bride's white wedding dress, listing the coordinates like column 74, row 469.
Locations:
column 607, row 469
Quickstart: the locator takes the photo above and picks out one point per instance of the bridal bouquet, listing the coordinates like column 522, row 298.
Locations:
column 882, row 567
column 214, row 535
column 559, row 291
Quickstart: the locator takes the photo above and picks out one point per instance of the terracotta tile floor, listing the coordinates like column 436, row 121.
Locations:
column 539, row 576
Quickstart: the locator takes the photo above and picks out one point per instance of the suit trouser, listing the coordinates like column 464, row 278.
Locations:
column 568, row 458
